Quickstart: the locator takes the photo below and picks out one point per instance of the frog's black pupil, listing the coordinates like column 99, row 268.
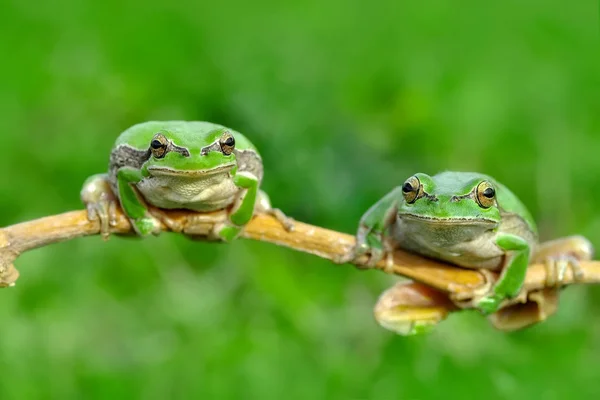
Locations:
column 156, row 144
column 407, row 187
column 489, row 193
column 230, row 141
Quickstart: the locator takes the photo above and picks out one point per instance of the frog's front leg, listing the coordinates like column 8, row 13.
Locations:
column 132, row 205
column 558, row 256
column 371, row 236
column 513, row 273
column 243, row 208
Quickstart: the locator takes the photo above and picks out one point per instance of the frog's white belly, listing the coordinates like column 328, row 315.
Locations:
column 208, row 193
column 467, row 246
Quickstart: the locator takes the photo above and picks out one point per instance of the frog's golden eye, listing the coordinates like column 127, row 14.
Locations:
column 159, row 145
column 227, row 143
column 410, row 189
column 485, row 194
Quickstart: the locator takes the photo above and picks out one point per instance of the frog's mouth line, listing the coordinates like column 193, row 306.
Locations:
column 448, row 220
column 164, row 171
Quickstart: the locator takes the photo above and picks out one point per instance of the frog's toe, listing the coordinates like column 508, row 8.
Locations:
column 376, row 255
column 146, row 226
column 352, row 255
column 172, row 224
column 112, row 213
column 100, row 202
column 557, row 266
column 104, row 213
column 489, row 304
column 92, row 214
column 225, row 231
column 348, row 257
column 284, row 220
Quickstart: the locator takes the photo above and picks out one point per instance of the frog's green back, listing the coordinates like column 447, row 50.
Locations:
column 140, row 135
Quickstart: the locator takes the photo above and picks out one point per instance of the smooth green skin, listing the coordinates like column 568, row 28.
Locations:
column 193, row 136
column 465, row 214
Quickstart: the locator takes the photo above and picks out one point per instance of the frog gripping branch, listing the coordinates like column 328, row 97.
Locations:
column 197, row 166
column 464, row 239
column 468, row 220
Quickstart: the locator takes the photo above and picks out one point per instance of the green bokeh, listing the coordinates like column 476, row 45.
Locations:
column 344, row 100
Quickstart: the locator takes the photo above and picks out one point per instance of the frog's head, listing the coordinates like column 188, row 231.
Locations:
column 450, row 207
column 186, row 154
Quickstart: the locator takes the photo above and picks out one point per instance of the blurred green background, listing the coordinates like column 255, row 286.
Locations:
column 344, row 101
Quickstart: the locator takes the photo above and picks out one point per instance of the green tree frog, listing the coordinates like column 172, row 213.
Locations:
column 198, row 166
column 469, row 220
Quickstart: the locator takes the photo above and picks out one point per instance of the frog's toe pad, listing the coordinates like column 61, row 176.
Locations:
column 146, row 226
column 376, row 256
column 489, row 304
column 284, row 220
column 105, row 213
column 556, row 268
column 225, row 231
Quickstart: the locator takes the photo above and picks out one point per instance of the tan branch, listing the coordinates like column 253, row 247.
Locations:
column 321, row 242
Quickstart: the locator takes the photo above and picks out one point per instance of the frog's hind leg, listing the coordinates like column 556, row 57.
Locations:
column 410, row 308
column 558, row 256
column 101, row 202
column 529, row 308
column 561, row 255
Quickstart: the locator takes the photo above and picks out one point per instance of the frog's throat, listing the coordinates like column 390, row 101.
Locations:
column 196, row 173
column 449, row 220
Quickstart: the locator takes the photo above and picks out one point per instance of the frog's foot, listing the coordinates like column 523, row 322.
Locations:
column 171, row 224
column 557, row 266
column 284, row 220
column 482, row 297
column 354, row 255
column 100, row 202
column 263, row 206
column 528, row 309
column 489, row 304
column 562, row 254
column 146, row 226
column 374, row 247
column 225, row 231
column 410, row 308
column 558, row 256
